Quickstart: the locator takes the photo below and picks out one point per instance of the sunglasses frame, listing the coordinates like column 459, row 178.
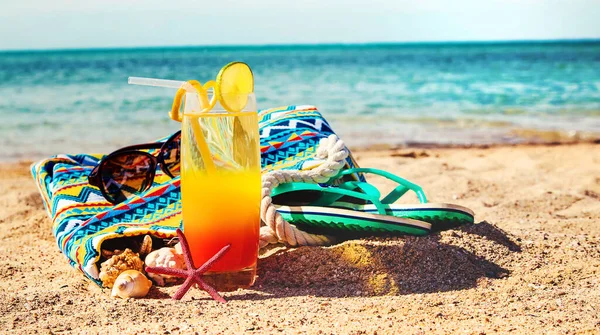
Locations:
column 95, row 176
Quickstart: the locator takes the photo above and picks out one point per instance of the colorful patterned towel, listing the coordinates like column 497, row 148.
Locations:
column 82, row 219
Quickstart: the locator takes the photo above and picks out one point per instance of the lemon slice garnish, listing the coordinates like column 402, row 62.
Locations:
column 234, row 82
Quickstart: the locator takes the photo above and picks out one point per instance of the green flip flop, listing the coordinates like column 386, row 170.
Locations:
column 358, row 206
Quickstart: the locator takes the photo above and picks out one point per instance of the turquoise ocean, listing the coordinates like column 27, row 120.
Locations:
column 73, row 101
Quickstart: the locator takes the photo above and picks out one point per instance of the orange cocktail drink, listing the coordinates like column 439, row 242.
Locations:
column 219, row 210
column 220, row 189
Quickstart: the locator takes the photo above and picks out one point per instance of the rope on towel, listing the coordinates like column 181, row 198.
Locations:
column 276, row 229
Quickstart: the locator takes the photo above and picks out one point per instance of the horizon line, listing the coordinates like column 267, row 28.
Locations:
column 317, row 44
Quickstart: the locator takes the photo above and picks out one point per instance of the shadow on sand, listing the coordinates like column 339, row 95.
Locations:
column 443, row 261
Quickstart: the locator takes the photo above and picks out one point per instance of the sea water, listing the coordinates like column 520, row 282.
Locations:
column 74, row 101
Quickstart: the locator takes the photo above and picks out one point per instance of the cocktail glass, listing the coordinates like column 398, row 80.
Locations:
column 220, row 188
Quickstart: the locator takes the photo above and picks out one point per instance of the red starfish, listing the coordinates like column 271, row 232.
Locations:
column 192, row 274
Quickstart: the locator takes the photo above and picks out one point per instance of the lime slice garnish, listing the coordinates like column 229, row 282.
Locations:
column 234, row 82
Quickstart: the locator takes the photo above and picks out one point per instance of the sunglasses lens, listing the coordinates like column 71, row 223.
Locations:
column 170, row 155
column 126, row 174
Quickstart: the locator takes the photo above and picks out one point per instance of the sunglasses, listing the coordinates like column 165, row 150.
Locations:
column 129, row 171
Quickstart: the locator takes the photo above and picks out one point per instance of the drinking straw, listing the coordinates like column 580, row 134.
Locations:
column 200, row 141
column 155, row 82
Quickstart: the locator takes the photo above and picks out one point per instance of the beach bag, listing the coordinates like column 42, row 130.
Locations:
column 82, row 220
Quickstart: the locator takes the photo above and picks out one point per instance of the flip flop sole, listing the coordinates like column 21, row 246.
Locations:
column 329, row 219
column 441, row 216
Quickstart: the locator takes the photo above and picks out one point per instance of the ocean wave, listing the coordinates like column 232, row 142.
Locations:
column 80, row 100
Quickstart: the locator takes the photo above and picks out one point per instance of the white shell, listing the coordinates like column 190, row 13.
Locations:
column 164, row 257
column 178, row 249
column 131, row 284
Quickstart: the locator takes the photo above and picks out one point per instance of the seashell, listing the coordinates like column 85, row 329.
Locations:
column 131, row 284
column 109, row 253
column 110, row 269
column 178, row 249
column 164, row 257
column 146, row 246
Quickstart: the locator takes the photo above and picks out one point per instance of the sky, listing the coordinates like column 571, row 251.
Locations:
column 59, row 24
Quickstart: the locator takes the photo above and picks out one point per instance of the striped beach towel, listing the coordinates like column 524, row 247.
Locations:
column 82, row 219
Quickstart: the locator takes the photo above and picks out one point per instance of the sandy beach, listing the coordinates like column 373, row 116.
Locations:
column 530, row 264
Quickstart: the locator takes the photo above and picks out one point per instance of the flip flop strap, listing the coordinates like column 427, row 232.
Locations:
column 403, row 187
column 333, row 193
